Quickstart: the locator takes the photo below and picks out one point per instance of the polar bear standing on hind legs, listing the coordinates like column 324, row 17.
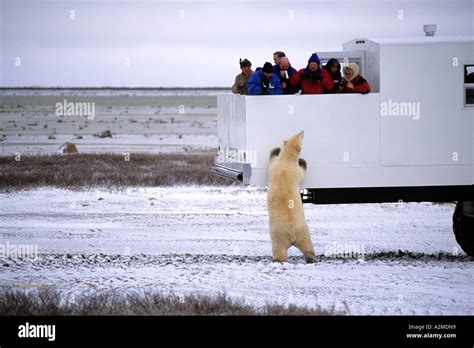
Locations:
column 288, row 227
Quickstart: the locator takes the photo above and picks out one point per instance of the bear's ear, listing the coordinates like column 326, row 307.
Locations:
column 284, row 142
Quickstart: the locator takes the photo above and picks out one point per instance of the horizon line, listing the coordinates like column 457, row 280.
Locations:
column 108, row 87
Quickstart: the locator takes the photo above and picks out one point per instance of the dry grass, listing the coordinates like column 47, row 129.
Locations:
column 49, row 302
column 77, row 171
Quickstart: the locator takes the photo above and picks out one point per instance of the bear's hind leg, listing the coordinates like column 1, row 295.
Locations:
column 279, row 251
column 309, row 257
column 305, row 245
column 280, row 255
column 280, row 241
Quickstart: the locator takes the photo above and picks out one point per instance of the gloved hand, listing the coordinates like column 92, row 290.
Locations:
column 305, row 75
column 318, row 77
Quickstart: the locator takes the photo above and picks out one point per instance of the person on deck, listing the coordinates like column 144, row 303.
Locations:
column 277, row 56
column 333, row 67
column 312, row 79
column 264, row 82
column 240, row 84
column 352, row 81
column 284, row 71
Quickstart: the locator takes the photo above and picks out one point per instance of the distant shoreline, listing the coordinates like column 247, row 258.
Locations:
column 122, row 88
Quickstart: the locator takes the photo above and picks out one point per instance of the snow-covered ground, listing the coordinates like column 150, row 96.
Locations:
column 106, row 92
column 140, row 121
column 207, row 239
column 211, row 239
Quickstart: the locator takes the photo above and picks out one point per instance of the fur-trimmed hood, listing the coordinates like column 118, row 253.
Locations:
column 354, row 67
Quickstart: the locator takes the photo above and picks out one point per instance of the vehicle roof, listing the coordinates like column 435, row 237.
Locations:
column 426, row 40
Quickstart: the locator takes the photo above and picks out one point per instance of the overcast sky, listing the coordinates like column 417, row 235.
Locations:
column 193, row 43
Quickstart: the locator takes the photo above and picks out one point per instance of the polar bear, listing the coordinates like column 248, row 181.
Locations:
column 287, row 224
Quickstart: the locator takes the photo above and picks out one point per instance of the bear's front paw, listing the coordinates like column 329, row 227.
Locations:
column 302, row 163
column 275, row 152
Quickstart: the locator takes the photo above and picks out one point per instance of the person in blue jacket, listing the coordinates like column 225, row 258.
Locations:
column 264, row 82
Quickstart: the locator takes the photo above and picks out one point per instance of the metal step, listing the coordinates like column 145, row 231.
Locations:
column 227, row 172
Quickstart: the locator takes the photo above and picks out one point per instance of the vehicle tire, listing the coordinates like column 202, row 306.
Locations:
column 463, row 227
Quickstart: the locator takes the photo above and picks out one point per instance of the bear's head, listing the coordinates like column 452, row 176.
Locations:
column 292, row 147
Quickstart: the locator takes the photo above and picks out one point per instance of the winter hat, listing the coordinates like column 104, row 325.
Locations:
column 314, row 59
column 267, row 68
column 330, row 63
column 245, row 62
column 354, row 67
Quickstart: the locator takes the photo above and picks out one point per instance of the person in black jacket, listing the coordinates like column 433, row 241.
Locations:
column 284, row 71
column 333, row 67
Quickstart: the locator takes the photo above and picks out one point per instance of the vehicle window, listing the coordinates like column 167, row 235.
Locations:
column 469, row 73
column 469, row 96
column 469, row 85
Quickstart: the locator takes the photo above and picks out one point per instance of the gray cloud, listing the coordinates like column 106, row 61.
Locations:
column 193, row 43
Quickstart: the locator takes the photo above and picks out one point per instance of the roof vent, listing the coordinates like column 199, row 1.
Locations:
column 429, row 29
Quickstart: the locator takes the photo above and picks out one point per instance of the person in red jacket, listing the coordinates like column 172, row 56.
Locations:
column 352, row 81
column 312, row 79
